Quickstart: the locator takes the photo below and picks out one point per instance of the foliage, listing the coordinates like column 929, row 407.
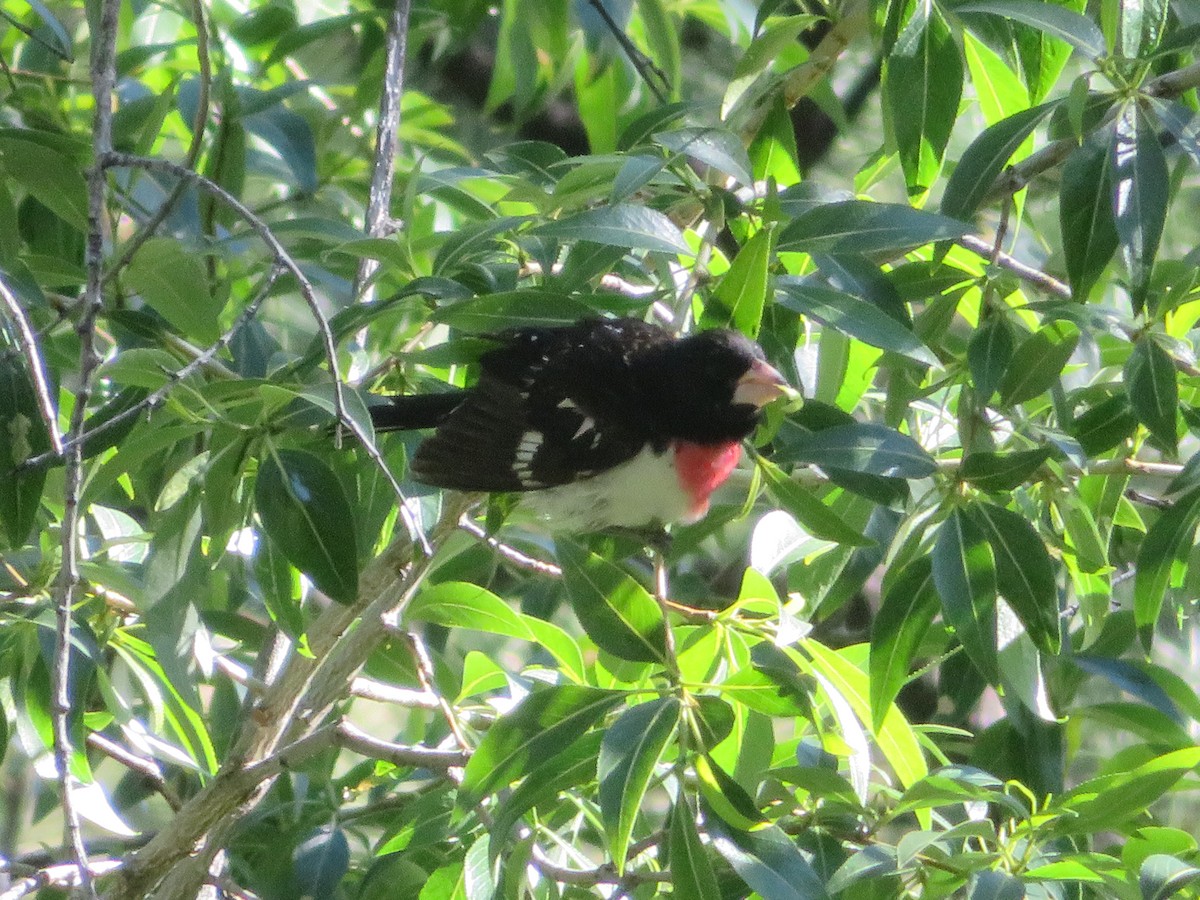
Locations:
column 930, row 641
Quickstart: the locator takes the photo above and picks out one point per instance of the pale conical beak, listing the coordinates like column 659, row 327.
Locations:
column 760, row 385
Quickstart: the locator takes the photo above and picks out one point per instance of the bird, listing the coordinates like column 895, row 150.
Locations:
column 605, row 423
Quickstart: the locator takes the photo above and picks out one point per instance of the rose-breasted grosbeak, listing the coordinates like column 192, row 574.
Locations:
column 604, row 423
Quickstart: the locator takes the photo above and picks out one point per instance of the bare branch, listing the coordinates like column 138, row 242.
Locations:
column 37, row 370
column 509, row 553
column 146, row 768
column 364, row 744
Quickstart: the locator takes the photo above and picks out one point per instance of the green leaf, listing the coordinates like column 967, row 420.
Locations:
column 543, row 725
column 716, row 147
column 768, row 861
column 615, row 611
column 814, row 516
column 1163, row 876
column 1002, row 471
column 305, row 513
column 1089, row 235
column 1140, row 194
column 459, row 604
column 964, row 571
column 1083, row 534
column 173, row 282
column 1141, row 27
column 692, row 872
column 1103, row 426
column 862, row 227
column 862, row 447
column 50, row 177
column 618, row 225
column 742, row 291
column 1024, row 573
column 1105, row 802
column 1153, row 390
column 496, row 312
column 988, row 355
column 23, row 435
column 985, row 159
column 1067, row 25
column 631, row 749
column 852, row 315
column 1038, row 362
column 900, row 625
column 922, row 80
column 1166, row 545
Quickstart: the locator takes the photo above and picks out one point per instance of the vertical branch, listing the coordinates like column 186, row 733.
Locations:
column 103, row 76
column 383, row 169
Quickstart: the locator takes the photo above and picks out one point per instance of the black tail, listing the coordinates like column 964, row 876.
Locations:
column 406, row 413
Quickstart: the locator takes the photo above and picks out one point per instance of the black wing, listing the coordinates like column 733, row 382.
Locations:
column 551, row 406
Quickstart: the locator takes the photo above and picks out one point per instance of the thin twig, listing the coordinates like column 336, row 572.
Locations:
column 66, row 875
column 127, row 160
column 37, row 369
column 425, row 676
column 383, row 167
column 1036, row 277
column 146, row 768
column 509, row 553
column 642, row 63
column 360, row 742
column 103, row 73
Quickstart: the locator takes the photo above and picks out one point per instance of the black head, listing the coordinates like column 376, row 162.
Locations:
column 709, row 387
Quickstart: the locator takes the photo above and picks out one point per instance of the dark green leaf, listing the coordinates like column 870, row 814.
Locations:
column 1141, row 26
column 814, row 516
column 51, row 178
column 742, row 291
column 173, row 282
column 903, row 619
column 1002, row 471
column 992, row 884
column 1067, row 25
column 1166, row 545
column 1140, row 194
column 988, row 355
column 305, row 513
column 985, row 159
column 1153, row 391
column 717, row 147
column 922, row 80
column 1089, row 234
column 546, row 723
column 861, row 227
column 23, row 435
column 1104, row 425
column 615, row 611
column 964, row 572
column 495, row 312
column 631, row 749
column 863, row 447
column 875, row 861
column 619, row 225
column 1024, row 573
column 768, row 861
column 691, row 870
column 320, row 862
column 1038, row 362
column 1163, row 876
column 472, row 241
column 1105, row 802
column 852, row 315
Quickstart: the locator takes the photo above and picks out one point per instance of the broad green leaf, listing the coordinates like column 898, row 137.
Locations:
column 459, row 604
column 662, row 40
column 615, row 611
column 470, row 241
column 1153, row 391
column 993, row 884
column 173, row 282
column 1067, row 25
column 631, row 749
column 546, row 723
column 1103, row 426
column 988, row 355
column 1038, row 362
column 768, row 861
column 1140, row 26
column 1089, row 235
column 320, row 861
column 1083, row 534
column 814, row 516
column 1166, row 545
column 305, row 513
column 716, row 147
column 875, row 861
column 985, row 159
column 1163, row 876
column 862, row 447
column 691, row 870
column 1024, row 573
column 495, row 312
column 50, row 177
column 862, row 227
column 742, row 291
column 1140, row 194
column 964, row 572
column 23, row 435
column 1002, row 471
column 851, row 315
column 724, row 796
column 1105, row 802
column 922, row 81
column 904, row 617
column 618, row 225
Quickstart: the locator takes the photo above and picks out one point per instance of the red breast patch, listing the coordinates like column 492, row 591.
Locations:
column 701, row 469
